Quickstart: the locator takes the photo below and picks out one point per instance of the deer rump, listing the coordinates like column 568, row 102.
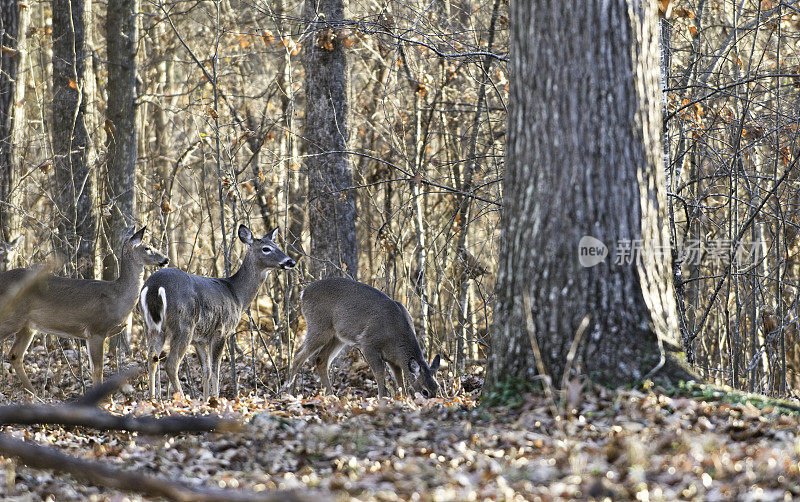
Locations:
column 176, row 295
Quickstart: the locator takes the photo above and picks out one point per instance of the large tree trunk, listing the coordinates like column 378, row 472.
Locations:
column 73, row 186
column 331, row 204
column 121, row 129
column 584, row 159
column 13, row 24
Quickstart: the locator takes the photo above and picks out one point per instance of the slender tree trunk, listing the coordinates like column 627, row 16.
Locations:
column 161, row 132
column 121, row 129
column 331, row 205
column 73, row 187
column 295, row 187
column 13, row 25
column 463, row 209
column 256, row 143
column 584, row 159
column 419, row 275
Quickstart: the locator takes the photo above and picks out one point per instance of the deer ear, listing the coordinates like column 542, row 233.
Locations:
column 435, row 364
column 413, row 366
column 245, row 235
column 16, row 241
column 136, row 238
column 272, row 234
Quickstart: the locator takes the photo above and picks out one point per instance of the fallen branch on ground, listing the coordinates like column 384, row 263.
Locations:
column 87, row 416
column 41, row 457
column 96, row 395
column 83, row 413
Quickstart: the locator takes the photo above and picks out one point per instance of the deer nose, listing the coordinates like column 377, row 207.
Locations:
column 165, row 262
column 288, row 263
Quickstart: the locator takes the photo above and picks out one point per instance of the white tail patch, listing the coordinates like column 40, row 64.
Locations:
column 153, row 326
column 163, row 294
column 145, row 313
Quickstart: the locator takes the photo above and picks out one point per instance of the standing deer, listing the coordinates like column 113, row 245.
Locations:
column 5, row 251
column 77, row 308
column 341, row 312
column 185, row 308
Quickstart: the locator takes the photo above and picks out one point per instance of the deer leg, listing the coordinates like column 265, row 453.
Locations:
column 177, row 351
column 217, row 349
column 325, row 357
column 316, row 339
column 205, row 365
column 96, row 346
column 301, row 356
column 375, row 361
column 397, row 374
column 156, row 343
column 21, row 343
column 152, row 374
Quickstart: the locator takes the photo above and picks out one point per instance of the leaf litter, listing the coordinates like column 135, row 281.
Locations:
column 624, row 444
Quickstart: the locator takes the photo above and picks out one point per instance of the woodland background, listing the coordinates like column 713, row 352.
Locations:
column 220, row 136
column 373, row 134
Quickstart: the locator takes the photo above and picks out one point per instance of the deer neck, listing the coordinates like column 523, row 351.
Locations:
column 246, row 282
column 130, row 278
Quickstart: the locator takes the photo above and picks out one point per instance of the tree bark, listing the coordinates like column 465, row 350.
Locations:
column 13, row 25
column 584, row 159
column 121, row 128
column 73, row 185
column 331, row 203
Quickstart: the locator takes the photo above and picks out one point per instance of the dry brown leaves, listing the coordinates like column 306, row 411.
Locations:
column 624, row 444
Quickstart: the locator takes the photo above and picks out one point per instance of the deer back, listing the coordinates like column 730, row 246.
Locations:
column 366, row 317
column 212, row 306
column 206, row 304
column 79, row 307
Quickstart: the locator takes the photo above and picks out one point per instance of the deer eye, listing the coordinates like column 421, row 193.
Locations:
column 266, row 250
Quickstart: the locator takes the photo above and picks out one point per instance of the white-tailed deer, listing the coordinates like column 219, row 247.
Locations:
column 204, row 311
column 341, row 312
column 5, row 251
column 76, row 308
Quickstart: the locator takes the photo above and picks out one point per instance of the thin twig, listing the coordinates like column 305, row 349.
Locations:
column 537, row 355
column 573, row 349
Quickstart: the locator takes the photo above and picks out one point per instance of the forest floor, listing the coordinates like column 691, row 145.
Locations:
column 695, row 442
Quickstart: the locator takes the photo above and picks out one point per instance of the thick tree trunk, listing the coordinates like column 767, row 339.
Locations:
column 584, row 159
column 13, row 25
column 73, row 185
column 121, row 129
column 331, row 205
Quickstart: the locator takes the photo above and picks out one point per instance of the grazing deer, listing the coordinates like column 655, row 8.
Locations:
column 5, row 251
column 76, row 308
column 185, row 308
column 341, row 312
